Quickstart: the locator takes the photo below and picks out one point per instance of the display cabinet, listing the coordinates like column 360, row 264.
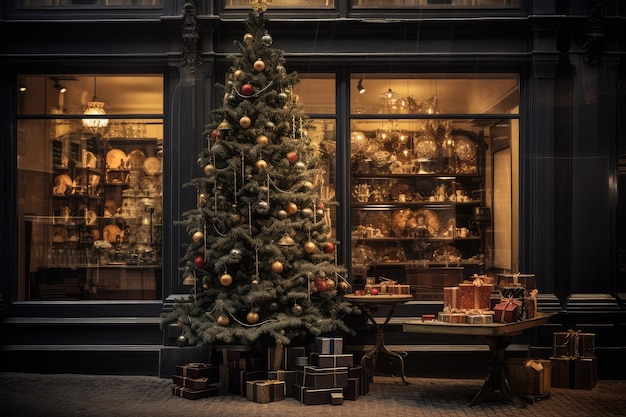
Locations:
column 413, row 206
column 98, row 235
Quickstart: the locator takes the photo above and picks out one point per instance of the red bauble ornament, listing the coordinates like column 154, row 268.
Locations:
column 199, row 261
column 374, row 291
column 292, row 156
column 247, row 89
column 214, row 134
column 329, row 247
column 320, row 205
column 358, row 292
column 321, row 286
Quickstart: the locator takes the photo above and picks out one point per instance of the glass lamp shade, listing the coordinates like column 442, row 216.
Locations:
column 95, row 108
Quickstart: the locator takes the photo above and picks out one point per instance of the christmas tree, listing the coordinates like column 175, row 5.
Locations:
column 261, row 259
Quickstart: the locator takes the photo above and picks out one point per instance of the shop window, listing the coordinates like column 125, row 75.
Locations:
column 432, row 165
column 90, row 187
column 89, row 3
column 295, row 4
column 434, row 3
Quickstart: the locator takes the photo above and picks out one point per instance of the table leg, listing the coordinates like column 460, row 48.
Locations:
column 372, row 355
column 496, row 379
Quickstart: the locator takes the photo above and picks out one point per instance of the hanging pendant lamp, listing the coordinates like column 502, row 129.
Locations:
column 95, row 108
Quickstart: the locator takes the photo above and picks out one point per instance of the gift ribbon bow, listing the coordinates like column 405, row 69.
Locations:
column 575, row 336
column 536, row 365
column 478, row 281
column 508, row 301
column 388, row 281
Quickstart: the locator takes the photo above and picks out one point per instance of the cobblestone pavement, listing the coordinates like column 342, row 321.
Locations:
column 69, row 395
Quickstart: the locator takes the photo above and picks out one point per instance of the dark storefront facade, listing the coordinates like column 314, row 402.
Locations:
column 504, row 120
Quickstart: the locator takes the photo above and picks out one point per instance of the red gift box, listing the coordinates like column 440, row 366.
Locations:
column 451, row 297
column 475, row 295
column 506, row 311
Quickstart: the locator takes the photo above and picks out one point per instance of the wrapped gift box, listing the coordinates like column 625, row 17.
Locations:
column 314, row 377
column 194, row 394
column 451, row 297
column 329, row 345
column 198, row 370
column 475, row 296
column 562, row 372
column 428, row 317
column 265, row 391
column 332, row 361
column 288, row 376
column 336, row 398
column 512, row 280
column 312, row 396
column 479, row 318
column 451, row 317
column 193, row 383
column 529, row 376
column 353, row 390
column 300, row 361
column 506, row 312
column 574, row 344
column 359, row 372
column 238, row 378
column 585, row 373
column 398, row 289
column 250, row 364
column 285, row 359
column 515, row 292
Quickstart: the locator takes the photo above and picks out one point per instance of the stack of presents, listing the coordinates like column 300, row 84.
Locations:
column 479, row 300
column 572, row 365
column 325, row 375
column 386, row 286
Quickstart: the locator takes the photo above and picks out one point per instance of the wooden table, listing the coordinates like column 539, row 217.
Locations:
column 498, row 336
column 365, row 303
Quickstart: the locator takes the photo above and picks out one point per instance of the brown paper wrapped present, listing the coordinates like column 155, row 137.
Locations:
column 529, row 376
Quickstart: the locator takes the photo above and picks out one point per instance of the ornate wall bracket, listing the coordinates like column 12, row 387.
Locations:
column 191, row 36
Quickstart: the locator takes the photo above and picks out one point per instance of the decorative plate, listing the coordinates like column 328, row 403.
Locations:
column 399, row 220
column 136, row 158
column 111, row 232
column 116, row 159
column 61, row 183
column 152, row 165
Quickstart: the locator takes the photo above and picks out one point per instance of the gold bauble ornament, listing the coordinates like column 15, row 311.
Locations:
column 238, row 73
column 226, row 280
column 259, row 65
column 223, row 321
column 245, row 122
column 344, row 286
column 248, row 38
column 209, row 169
column 308, row 185
column 252, row 317
column 307, row 212
column 198, row 237
column 309, row 247
column 261, row 164
column 291, row 208
column 330, row 284
column 262, row 140
column 277, row 267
